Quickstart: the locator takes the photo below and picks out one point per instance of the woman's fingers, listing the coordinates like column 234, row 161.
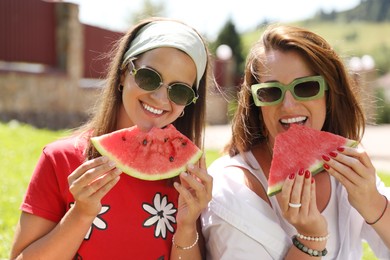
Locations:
column 297, row 196
column 286, row 192
column 306, row 197
column 88, row 170
column 202, row 177
column 199, row 183
column 296, row 192
column 196, row 187
column 103, row 184
column 92, row 176
column 350, row 166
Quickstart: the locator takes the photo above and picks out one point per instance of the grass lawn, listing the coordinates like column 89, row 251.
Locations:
column 20, row 147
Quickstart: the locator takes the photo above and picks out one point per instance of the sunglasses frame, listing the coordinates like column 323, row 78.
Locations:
column 290, row 87
column 133, row 71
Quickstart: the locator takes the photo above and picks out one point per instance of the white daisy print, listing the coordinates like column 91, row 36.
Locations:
column 98, row 222
column 162, row 215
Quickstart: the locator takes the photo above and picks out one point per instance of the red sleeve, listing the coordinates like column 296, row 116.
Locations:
column 43, row 197
column 48, row 193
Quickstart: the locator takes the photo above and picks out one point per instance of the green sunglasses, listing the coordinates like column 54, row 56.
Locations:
column 150, row 80
column 303, row 89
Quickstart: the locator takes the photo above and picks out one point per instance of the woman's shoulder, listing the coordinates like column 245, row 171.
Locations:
column 74, row 143
column 226, row 161
column 229, row 173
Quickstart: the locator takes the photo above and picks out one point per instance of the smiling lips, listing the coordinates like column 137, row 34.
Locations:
column 152, row 109
column 294, row 120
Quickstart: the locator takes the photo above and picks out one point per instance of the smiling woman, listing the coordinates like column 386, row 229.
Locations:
column 293, row 76
column 94, row 211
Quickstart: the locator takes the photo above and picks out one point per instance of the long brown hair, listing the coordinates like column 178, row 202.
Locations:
column 104, row 119
column 344, row 112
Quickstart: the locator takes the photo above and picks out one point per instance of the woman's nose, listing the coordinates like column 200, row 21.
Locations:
column 161, row 94
column 289, row 100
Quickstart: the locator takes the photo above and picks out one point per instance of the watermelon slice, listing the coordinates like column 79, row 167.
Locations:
column 301, row 147
column 154, row 155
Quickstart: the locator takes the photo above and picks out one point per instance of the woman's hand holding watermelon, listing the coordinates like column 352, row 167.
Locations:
column 353, row 168
column 195, row 194
column 90, row 182
column 297, row 201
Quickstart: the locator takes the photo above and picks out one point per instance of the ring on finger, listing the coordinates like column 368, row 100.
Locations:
column 294, row 205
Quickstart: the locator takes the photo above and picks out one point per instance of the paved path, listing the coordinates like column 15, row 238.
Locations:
column 376, row 141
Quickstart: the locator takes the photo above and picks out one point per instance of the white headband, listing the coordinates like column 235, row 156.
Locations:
column 170, row 34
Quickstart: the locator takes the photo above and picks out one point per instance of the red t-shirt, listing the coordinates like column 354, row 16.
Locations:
column 137, row 220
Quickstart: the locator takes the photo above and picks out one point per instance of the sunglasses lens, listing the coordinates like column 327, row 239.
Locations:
column 147, row 79
column 269, row 94
column 181, row 94
column 307, row 89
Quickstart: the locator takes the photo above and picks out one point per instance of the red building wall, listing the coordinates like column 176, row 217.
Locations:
column 28, row 31
column 97, row 44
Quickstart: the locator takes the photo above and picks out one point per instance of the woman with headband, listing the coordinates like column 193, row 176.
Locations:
column 78, row 204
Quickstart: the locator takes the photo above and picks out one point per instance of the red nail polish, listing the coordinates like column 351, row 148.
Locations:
column 292, row 176
column 312, row 180
column 340, row 149
column 333, row 154
column 326, row 158
column 307, row 174
column 327, row 167
column 301, row 172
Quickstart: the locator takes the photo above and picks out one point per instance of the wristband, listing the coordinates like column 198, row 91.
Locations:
column 383, row 212
column 306, row 250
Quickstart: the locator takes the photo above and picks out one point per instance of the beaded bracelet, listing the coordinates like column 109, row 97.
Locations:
column 187, row 247
column 306, row 250
column 383, row 212
column 316, row 239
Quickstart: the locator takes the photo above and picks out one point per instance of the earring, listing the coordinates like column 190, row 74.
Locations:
column 182, row 114
column 120, row 88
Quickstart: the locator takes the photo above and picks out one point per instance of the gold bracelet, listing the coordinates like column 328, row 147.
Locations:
column 383, row 212
column 187, row 247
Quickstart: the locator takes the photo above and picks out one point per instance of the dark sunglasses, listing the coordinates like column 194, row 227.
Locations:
column 303, row 89
column 150, row 80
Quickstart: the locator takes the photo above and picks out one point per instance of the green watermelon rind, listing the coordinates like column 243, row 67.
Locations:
column 315, row 168
column 134, row 173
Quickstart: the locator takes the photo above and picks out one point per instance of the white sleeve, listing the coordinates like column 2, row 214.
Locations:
column 238, row 224
column 224, row 241
column 369, row 234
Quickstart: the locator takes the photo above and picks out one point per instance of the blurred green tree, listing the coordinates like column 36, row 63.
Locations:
column 229, row 36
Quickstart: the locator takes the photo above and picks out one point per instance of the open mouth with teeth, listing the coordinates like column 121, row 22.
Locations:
column 152, row 109
column 286, row 122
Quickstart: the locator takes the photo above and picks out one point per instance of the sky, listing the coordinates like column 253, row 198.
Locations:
column 208, row 16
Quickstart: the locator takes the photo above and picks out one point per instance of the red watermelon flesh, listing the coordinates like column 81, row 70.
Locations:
column 158, row 154
column 301, row 147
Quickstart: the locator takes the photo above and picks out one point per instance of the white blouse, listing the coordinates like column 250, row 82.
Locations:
column 240, row 225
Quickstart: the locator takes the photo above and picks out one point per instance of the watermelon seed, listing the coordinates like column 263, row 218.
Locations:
column 145, row 142
column 171, row 159
column 166, row 139
column 123, row 138
column 184, row 143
